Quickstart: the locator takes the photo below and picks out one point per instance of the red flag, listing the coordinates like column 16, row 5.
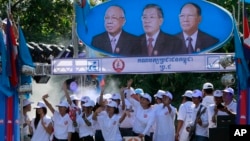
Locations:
column 12, row 55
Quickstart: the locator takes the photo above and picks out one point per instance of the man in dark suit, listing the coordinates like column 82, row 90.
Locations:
column 155, row 42
column 115, row 40
column 193, row 39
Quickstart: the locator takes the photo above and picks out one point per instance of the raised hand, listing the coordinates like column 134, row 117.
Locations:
column 129, row 83
column 45, row 96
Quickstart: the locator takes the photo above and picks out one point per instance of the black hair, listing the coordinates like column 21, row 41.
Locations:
column 157, row 7
column 208, row 91
column 198, row 8
column 116, row 111
column 188, row 98
column 37, row 118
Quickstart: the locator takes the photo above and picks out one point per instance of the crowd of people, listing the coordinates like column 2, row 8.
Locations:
column 128, row 113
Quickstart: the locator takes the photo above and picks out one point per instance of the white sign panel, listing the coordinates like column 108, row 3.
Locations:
column 136, row 65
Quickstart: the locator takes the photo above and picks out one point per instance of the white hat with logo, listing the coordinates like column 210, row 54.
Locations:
column 147, row 96
column 197, row 93
column 40, row 104
column 188, row 93
column 27, row 102
column 89, row 103
column 112, row 104
column 168, row 94
column 63, row 104
column 218, row 93
column 116, row 96
column 208, row 85
column 229, row 90
column 85, row 98
column 159, row 94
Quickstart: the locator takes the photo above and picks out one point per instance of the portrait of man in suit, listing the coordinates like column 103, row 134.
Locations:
column 155, row 42
column 115, row 40
column 193, row 39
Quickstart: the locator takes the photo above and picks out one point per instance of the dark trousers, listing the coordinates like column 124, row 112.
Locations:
column 200, row 138
column 87, row 138
column 126, row 132
column 98, row 135
column 146, row 137
column 75, row 137
column 56, row 139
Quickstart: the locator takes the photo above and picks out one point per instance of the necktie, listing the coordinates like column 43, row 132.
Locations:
column 190, row 48
column 113, row 40
column 150, row 46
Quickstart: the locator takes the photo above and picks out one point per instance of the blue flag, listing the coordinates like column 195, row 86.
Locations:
column 246, row 1
column 24, row 57
column 4, row 79
column 24, row 52
column 242, row 73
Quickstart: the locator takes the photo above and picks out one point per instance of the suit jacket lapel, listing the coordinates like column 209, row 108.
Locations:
column 198, row 43
column 107, row 43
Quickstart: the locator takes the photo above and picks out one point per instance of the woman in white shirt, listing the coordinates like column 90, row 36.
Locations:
column 109, row 121
column 62, row 123
column 84, row 121
column 144, row 115
column 165, row 115
column 41, row 125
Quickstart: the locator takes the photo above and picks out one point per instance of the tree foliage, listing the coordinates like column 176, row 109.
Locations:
column 48, row 21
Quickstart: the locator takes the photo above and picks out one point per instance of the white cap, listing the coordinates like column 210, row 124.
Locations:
column 159, row 93
column 188, row 93
column 74, row 97
column 116, row 96
column 139, row 91
column 89, row 103
column 147, row 96
column 197, row 93
column 85, row 98
column 112, row 104
column 105, row 97
column 40, row 104
column 168, row 94
column 63, row 104
column 208, row 86
column 27, row 102
column 218, row 93
column 229, row 90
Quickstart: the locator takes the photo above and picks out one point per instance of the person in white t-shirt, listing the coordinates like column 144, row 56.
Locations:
column 165, row 115
column 144, row 116
column 25, row 120
column 184, row 116
column 41, row 125
column 109, row 121
column 199, row 118
column 229, row 102
column 62, row 123
column 207, row 90
column 74, row 109
column 105, row 97
column 157, row 101
column 216, row 109
column 85, row 123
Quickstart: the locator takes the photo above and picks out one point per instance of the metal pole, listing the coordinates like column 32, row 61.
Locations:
column 74, row 36
column 21, row 98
